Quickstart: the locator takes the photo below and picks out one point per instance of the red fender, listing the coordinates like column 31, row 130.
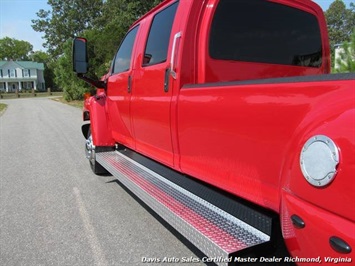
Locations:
column 312, row 217
column 99, row 124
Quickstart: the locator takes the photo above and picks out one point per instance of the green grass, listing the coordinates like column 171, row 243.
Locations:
column 78, row 104
column 2, row 108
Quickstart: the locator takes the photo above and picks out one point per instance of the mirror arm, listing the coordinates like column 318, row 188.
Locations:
column 96, row 83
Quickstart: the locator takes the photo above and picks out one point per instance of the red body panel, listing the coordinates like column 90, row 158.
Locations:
column 334, row 118
column 151, row 115
column 118, row 105
column 150, row 106
column 100, row 125
column 238, row 137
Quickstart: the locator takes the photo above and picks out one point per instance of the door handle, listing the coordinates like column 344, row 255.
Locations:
column 166, row 79
column 174, row 55
column 129, row 84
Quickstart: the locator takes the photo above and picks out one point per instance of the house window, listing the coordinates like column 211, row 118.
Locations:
column 12, row 73
column 1, row 73
column 27, row 85
column 26, row 73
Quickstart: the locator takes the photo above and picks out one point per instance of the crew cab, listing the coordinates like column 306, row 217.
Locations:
column 222, row 117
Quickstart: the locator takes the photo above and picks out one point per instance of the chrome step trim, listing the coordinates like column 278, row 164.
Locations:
column 212, row 230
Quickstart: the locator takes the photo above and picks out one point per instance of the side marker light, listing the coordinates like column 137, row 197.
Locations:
column 339, row 245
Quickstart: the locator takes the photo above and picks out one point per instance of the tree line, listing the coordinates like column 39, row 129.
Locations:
column 105, row 22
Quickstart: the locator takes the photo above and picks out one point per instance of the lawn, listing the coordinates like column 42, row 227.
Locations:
column 58, row 98
column 78, row 104
column 2, row 107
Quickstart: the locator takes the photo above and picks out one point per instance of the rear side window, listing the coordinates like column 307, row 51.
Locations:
column 156, row 50
column 123, row 57
column 266, row 32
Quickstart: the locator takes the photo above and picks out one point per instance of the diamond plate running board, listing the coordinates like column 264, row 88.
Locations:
column 212, row 230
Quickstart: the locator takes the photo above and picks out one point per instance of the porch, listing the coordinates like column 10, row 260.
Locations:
column 13, row 86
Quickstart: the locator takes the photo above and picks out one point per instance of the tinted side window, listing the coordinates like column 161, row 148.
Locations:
column 262, row 31
column 158, row 40
column 123, row 57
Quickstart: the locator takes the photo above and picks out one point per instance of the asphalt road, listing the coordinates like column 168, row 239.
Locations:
column 55, row 211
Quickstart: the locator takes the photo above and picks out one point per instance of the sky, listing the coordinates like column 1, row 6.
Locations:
column 16, row 16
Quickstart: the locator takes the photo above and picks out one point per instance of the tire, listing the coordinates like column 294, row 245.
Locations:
column 90, row 153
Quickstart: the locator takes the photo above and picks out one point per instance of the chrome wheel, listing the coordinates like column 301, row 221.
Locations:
column 90, row 149
column 91, row 155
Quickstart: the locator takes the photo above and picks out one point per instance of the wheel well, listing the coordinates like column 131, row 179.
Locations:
column 85, row 129
column 86, row 115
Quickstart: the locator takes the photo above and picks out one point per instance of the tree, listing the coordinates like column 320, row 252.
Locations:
column 341, row 23
column 68, row 18
column 46, row 59
column 111, row 27
column 15, row 49
column 346, row 60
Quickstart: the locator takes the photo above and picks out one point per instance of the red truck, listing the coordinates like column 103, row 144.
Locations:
column 222, row 117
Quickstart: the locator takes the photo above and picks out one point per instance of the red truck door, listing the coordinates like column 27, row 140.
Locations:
column 119, row 89
column 151, row 93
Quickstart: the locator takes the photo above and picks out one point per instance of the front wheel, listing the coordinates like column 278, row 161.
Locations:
column 91, row 156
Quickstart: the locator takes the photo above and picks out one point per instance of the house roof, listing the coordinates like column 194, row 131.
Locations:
column 26, row 64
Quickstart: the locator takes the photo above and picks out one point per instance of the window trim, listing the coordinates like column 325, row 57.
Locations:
column 150, row 28
column 134, row 44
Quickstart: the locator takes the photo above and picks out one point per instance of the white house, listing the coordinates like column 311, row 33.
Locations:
column 21, row 75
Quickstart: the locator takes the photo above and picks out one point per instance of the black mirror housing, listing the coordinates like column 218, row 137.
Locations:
column 81, row 63
column 80, row 57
